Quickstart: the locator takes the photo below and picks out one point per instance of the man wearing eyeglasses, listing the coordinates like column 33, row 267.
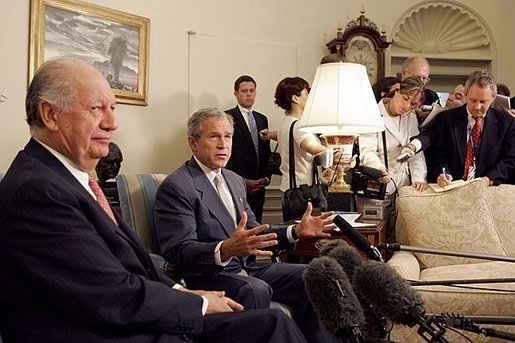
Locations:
column 419, row 66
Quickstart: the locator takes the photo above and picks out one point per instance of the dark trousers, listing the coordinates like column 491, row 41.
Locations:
column 280, row 282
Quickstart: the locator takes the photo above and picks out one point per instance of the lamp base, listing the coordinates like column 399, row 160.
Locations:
column 339, row 187
column 344, row 202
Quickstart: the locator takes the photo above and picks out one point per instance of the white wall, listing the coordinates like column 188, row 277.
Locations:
column 152, row 137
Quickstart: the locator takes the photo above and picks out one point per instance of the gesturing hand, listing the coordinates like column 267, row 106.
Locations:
column 247, row 242
column 314, row 226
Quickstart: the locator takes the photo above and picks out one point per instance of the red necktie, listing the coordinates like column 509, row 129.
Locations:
column 101, row 198
column 472, row 148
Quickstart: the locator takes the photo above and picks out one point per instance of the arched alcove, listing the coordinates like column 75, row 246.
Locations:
column 453, row 37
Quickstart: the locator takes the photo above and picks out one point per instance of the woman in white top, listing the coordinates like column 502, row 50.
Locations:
column 291, row 95
column 401, row 123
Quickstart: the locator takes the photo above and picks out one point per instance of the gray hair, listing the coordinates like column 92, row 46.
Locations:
column 483, row 79
column 197, row 119
column 51, row 83
column 408, row 62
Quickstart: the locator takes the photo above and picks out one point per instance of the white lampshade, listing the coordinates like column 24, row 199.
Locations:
column 341, row 101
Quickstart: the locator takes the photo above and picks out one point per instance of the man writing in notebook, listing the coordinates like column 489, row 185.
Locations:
column 475, row 140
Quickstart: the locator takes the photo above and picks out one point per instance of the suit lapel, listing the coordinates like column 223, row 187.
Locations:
column 459, row 127
column 392, row 128
column 237, row 198
column 36, row 149
column 239, row 121
column 488, row 134
column 210, row 197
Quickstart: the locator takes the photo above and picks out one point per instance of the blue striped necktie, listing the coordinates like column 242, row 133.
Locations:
column 253, row 131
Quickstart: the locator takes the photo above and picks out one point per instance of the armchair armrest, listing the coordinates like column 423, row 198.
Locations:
column 406, row 264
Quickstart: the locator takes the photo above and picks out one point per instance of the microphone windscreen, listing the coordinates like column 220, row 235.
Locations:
column 330, row 246
column 332, row 297
column 344, row 254
column 388, row 292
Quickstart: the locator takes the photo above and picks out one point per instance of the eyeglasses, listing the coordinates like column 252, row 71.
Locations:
column 424, row 79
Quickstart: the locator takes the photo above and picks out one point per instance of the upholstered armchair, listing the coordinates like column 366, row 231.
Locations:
column 473, row 218
column 137, row 194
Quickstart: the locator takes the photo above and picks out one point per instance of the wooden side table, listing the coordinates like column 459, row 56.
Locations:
column 308, row 248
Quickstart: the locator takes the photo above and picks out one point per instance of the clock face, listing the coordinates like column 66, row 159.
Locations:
column 361, row 50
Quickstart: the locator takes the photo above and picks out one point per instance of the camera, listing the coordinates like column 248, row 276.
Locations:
column 364, row 182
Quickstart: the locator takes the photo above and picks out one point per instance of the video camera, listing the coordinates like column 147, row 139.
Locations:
column 364, row 182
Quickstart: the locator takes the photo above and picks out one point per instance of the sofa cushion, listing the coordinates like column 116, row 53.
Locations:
column 501, row 200
column 457, row 220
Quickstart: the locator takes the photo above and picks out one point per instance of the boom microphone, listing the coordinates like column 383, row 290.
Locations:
column 358, row 239
column 331, row 294
column 394, row 298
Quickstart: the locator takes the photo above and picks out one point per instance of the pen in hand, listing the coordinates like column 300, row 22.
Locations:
column 444, row 171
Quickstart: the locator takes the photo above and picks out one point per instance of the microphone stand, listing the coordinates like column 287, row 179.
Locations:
column 464, row 323
column 400, row 247
column 490, row 320
column 460, row 282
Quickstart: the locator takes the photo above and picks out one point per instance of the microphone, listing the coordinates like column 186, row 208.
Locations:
column 404, row 156
column 344, row 254
column 329, row 290
column 324, row 158
column 349, row 260
column 358, row 239
column 395, row 299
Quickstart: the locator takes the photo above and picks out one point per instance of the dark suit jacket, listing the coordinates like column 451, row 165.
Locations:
column 496, row 154
column 69, row 274
column 191, row 219
column 243, row 159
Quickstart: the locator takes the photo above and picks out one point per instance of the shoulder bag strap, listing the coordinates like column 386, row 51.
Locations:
column 385, row 152
column 293, row 182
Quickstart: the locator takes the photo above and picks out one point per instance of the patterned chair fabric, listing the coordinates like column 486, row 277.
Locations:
column 473, row 218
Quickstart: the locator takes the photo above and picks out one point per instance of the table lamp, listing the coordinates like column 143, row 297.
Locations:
column 340, row 106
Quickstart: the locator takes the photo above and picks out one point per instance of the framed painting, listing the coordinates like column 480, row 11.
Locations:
column 115, row 42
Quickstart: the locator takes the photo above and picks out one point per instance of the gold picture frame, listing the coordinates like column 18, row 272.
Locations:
column 113, row 41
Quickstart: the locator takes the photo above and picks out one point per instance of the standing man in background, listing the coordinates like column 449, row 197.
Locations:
column 419, row 66
column 251, row 147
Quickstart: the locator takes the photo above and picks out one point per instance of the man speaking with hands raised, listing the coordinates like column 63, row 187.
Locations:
column 204, row 225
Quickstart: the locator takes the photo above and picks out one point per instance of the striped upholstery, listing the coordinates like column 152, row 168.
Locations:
column 137, row 193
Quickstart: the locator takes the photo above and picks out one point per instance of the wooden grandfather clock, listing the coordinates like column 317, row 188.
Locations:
column 361, row 42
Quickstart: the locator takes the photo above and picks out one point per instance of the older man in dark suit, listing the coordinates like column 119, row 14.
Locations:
column 204, row 225
column 72, row 271
column 475, row 140
column 251, row 146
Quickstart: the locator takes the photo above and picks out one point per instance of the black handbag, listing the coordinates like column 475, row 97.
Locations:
column 296, row 199
column 273, row 166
